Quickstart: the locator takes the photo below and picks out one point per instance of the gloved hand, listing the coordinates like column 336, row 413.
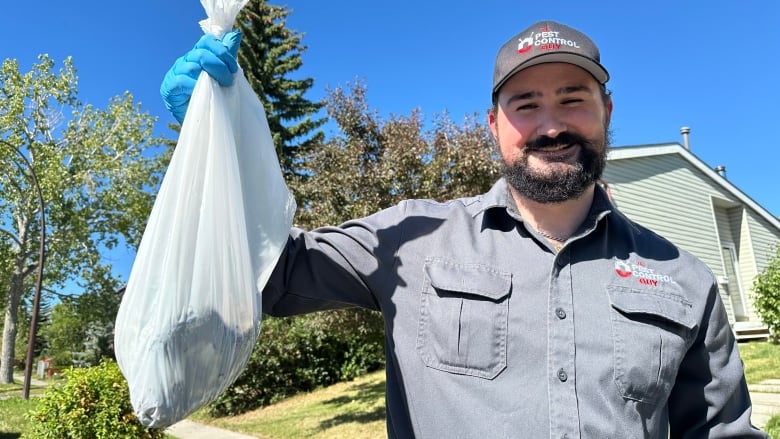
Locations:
column 216, row 57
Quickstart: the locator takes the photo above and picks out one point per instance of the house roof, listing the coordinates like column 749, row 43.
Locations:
column 629, row 152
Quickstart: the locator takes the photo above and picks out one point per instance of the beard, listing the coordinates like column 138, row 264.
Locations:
column 558, row 186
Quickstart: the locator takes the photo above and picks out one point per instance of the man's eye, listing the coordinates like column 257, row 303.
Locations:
column 571, row 101
column 526, row 107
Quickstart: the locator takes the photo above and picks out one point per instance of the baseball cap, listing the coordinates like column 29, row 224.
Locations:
column 546, row 42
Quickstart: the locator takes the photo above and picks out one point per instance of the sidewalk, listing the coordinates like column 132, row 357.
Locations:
column 33, row 380
column 192, row 430
column 766, row 401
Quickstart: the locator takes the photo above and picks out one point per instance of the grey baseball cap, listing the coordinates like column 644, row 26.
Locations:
column 546, row 42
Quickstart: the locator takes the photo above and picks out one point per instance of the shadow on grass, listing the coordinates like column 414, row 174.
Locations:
column 377, row 414
column 17, row 393
column 10, row 435
column 8, row 393
column 365, row 394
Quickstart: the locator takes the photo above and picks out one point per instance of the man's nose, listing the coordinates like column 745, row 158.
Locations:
column 551, row 124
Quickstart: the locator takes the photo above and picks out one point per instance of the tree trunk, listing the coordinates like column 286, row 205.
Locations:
column 9, row 330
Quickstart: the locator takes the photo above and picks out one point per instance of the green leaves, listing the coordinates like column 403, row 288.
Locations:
column 92, row 402
column 269, row 54
column 98, row 170
column 302, row 353
column 373, row 163
column 766, row 300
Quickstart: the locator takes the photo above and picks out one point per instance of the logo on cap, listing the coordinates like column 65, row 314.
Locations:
column 526, row 44
column 545, row 39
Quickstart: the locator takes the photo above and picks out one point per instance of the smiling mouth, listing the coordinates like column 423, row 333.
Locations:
column 554, row 148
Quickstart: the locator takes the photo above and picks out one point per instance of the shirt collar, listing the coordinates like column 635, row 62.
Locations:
column 499, row 197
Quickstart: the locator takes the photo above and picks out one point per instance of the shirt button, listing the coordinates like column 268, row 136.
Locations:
column 560, row 313
column 562, row 375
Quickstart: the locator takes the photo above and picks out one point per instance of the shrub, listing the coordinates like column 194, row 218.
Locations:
column 766, row 290
column 91, row 403
column 773, row 427
column 300, row 354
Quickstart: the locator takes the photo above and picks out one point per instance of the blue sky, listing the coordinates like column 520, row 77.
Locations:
column 712, row 66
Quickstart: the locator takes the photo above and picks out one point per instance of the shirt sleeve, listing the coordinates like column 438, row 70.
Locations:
column 335, row 267
column 710, row 397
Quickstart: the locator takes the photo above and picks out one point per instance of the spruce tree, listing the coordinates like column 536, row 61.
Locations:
column 269, row 52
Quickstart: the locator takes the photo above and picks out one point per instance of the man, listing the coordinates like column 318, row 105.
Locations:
column 510, row 314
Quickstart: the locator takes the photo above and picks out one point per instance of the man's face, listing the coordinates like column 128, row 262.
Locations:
column 551, row 127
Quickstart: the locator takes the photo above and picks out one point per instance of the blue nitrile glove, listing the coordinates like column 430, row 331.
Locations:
column 216, row 57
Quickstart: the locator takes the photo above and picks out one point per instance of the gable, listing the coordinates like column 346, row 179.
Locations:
column 690, row 160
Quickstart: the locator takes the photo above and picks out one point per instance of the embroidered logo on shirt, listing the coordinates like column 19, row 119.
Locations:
column 623, row 269
column 639, row 270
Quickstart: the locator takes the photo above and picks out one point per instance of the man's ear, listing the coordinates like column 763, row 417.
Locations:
column 492, row 123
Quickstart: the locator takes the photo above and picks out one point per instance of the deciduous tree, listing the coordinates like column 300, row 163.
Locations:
column 373, row 163
column 97, row 168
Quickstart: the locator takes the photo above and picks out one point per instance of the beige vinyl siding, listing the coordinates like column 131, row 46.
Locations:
column 765, row 239
column 747, row 255
column 747, row 259
column 735, row 219
column 665, row 194
column 727, row 237
column 723, row 222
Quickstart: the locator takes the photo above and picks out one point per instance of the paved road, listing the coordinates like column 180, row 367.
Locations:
column 33, row 380
column 766, row 401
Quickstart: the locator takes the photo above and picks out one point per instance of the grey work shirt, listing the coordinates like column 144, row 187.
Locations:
column 492, row 334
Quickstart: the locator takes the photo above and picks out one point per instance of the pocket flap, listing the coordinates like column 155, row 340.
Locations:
column 474, row 279
column 667, row 306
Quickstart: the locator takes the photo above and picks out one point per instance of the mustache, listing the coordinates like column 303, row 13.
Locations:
column 564, row 138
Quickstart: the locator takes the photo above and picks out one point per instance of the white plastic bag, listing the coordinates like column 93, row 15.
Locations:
column 190, row 315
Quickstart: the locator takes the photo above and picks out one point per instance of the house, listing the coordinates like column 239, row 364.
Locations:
column 668, row 189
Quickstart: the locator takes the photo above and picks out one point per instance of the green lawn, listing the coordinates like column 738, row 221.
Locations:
column 17, row 387
column 13, row 407
column 773, row 427
column 355, row 409
column 12, row 420
column 762, row 361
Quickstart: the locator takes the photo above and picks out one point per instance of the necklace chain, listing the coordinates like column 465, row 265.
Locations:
column 548, row 236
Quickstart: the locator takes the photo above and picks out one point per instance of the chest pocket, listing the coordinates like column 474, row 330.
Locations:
column 651, row 332
column 463, row 318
